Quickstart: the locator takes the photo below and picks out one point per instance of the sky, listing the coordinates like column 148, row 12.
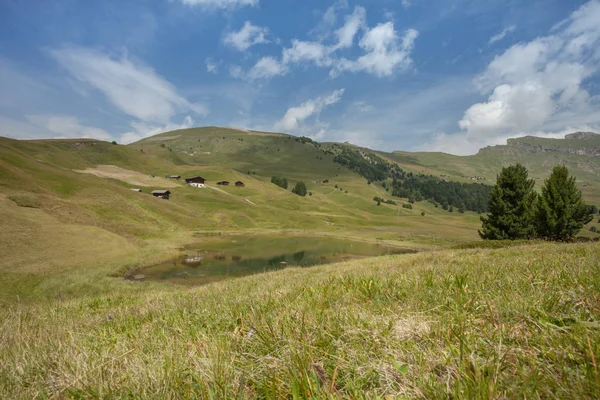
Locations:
column 415, row 75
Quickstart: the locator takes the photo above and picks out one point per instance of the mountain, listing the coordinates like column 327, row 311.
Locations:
column 579, row 151
column 67, row 204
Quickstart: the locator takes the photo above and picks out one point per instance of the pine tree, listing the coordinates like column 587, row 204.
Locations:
column 561, row 213
column 512, row 206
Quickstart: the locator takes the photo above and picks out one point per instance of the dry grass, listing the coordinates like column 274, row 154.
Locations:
column 489, row 323
column 125, row 175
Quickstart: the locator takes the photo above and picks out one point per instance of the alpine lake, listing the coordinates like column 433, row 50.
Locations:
column 218, row 258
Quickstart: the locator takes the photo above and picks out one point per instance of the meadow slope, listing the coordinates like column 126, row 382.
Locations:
column 518, row 322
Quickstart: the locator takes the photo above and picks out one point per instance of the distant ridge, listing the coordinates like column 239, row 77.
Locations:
column 582, row 136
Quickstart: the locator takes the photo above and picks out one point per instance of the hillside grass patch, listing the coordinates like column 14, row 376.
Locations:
column 519, row 322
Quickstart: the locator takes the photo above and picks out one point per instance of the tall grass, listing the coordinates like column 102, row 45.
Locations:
column 518, row 322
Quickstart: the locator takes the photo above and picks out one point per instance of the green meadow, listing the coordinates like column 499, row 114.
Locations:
column 461, row 318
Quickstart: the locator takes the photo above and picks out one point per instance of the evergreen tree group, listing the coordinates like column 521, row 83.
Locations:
column 516, row 211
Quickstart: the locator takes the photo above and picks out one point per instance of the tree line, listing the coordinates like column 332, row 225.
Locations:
column 416, row 187
column 517, row 211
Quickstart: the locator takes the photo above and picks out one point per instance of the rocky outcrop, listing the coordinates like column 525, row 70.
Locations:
column 582, row 136
column 578, row 143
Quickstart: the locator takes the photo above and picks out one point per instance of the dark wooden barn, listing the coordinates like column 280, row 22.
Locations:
column 163, row 194
column 240, row 184
column 195, row 181
column 223, row 183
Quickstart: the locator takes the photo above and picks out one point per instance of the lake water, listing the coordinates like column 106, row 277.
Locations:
column 234, row 256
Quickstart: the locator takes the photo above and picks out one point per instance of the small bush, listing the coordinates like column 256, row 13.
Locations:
column 422, row 213
column 310, row 193
column 408, row 206
column 593, row 229
column 113, row 142
column 281, row 182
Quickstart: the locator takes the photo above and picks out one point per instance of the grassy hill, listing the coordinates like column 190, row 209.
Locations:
column 515, row 322
column 67, row 207
column 580, row 153
column 70, row 220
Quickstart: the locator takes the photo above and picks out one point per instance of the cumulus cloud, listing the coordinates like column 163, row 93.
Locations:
column 295, row 116
column 247, row 36
column 222, row 4
column 385, row 51
column 266, row 67
column 133, row 88
column 502, row 35
column 142, row 130
column 302, row 51
column 535, row 87
column 62, row 126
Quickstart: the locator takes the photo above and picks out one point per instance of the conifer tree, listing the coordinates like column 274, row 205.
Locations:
column 300, row 189
column 561, row 213
column 512, row 206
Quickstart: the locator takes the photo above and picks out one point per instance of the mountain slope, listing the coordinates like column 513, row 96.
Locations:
column 580, row 152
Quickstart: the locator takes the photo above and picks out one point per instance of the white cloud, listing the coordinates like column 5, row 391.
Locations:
column 266, row 67
column 384, row 53
column 247, row 36
column 302, row 51
column 295, row 116
column 135, row 89
column 535, row 87
column 211, row 66
column 142, row 130
column 214, row 4
column 67, row 127
column 502, row 34
column 346, row 33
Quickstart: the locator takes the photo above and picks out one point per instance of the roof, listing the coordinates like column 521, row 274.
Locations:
column 161, row 192
column 223, row 182
column 194, row 177
column 239, row 182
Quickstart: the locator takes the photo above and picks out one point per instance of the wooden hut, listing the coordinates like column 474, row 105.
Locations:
column 239, row 184
column 162, row 194
column 223, row 183
column 196, row 181
column 177, row 177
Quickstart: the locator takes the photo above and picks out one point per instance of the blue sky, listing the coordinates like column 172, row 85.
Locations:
column 440, row 75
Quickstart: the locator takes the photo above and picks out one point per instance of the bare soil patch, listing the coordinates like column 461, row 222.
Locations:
column 125, row 175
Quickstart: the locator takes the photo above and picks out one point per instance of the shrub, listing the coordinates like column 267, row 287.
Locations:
column 593, row 229
column 281, row 182
column 299, row 189
column 113, row 142
column 422, row 213
column 408, row 206
column 310, row 193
